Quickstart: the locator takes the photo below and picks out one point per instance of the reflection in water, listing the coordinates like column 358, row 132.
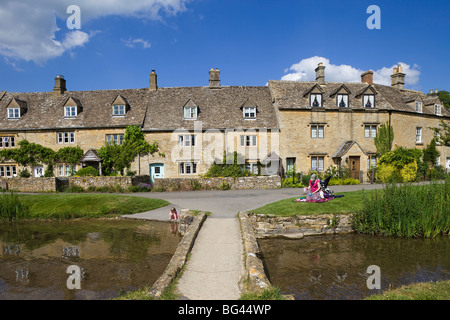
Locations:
column 335, row 267
column 113, row 256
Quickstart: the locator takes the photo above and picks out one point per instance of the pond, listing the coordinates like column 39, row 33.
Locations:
column 336, row 267
column 110, row 256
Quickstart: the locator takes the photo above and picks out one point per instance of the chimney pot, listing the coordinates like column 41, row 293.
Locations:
column 398, row 78
column 367, row 77
column 60, row 85
column 214, row 78
column 153, row 80
column 320, row 74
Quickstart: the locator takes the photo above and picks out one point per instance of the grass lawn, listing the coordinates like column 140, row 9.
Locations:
column 419, row 291
column 70, row 206
column 350, row 203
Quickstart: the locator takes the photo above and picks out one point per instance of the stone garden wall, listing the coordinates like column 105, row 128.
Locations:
column 56, row 184
column 299, row 226
column 29, row 184
column 105, row 181
column 225, row 183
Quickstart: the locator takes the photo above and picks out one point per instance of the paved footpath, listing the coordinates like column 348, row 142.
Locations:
column 216, row 263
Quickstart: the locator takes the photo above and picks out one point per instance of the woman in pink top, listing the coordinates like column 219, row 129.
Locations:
column 314, row 186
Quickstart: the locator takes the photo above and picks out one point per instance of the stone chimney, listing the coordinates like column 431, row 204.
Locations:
column 153, row 81
column 60, row 85
column 398, row 78
column 214, row 78
column 367, row 77
column 320, row 74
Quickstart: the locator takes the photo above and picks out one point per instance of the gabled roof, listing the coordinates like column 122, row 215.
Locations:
column 345, row 147
column 152, row 110
column 337, row 89
column 315, row 86
column 289, row 95
column 91, row 156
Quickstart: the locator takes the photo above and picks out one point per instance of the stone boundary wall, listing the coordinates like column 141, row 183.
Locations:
column 255, row 274
column 191, row 226
column 106, row 181
column 55, row 183
column 29, row 184
column 299, row 226
column 224, row 183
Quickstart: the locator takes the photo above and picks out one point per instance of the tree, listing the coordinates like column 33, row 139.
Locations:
column 118, row 157
column 444, row 96
column 384, row 138
column 430, row 153
column 442, row 133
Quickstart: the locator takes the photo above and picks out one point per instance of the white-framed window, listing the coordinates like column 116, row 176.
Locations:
column 317, row 132
column 418, row 135
column 187, row 168
column 66, row 170
column 315, row 99
column 186, row 140
column 8, row 171
column 249, row 112
column 437, row 109
column 419, row 107
column 119, row 110
column 114, row 138
column 70, row 112
column 249, row 140
column 342, row 101
column 66, row 137
column 317, row 163
column 13, row 113
column 7, row 142
column 190, row 113
column 369, row 101
column 370, row 131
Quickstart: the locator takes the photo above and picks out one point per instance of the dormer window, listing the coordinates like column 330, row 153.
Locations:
column 190, row 113
column 249, row 112
column 13, row 113
column 119, row 110
column 418, row 106
column 437, row 109
column 369, row 101
column 70, row 112
column 315, row 99
column 342, row 100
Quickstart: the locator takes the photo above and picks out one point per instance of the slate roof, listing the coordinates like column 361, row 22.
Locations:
column 153, row 110
column 288, row 95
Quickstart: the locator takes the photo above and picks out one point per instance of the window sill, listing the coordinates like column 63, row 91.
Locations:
column 419, row 143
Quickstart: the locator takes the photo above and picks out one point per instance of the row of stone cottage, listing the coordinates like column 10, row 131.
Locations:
column 309, row 125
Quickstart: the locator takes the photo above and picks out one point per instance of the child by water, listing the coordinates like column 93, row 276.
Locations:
column 173, row 214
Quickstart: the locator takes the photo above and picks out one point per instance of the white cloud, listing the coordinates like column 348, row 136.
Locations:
column 132, row 43
column 305, row 71
column 29, row 30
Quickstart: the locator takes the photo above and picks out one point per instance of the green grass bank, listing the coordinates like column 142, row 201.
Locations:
column 72, row 206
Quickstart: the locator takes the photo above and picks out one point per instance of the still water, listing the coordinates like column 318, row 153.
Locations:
column 112, row 256
column 335, row 267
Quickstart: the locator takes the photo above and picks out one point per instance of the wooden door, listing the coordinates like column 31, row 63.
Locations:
column 354, row 167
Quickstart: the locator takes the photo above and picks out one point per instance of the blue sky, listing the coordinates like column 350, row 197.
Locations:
column 250, row 41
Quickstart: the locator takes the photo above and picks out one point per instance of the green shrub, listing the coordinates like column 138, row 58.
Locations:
column 289, row 183
column 24, row 173
column 11, row 208
column 87, row 171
